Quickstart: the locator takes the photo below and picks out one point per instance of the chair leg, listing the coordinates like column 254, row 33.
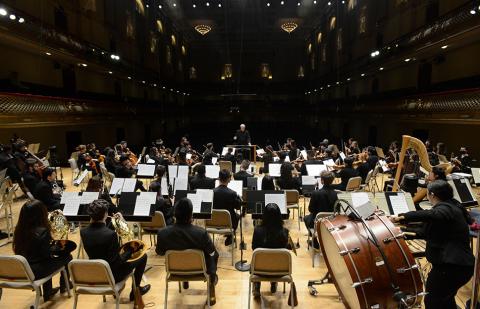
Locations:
column 233, row 247
column 284, row 284
column 37, row 297
column 291, row 295
column 249, row 292
column 105, row 298
column 67, row 284
column 166, row 294
column 117, row 302
column 179, row 287
column 75, row 300
column 208, row 292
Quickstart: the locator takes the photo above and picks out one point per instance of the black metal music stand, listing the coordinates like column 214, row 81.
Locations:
column 242, row 265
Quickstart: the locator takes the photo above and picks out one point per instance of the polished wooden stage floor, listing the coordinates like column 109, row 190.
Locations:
column 232, row 288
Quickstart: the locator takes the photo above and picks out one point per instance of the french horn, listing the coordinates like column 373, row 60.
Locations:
column 136, row 246
column 59, row 230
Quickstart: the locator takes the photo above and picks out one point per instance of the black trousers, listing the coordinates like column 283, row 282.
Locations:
column 42, row 270
column 138, row 268
column 443, row 283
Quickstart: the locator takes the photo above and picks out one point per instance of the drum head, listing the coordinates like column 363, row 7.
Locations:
column 338, row 268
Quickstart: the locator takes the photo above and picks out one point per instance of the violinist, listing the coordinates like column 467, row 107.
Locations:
column 393, row 153
column 182, row 158
column 208, row 154
column 286, row 180
column 229, row 156
column 85, row 161
column 111, row 163
column 155, row 155
column 268, row 158
column 370, row 161
column 294, row 152
column 345, row 174
column 200, row 180
column 310, row 160
column 93, row 151
column 183, row 147
column 126, row 151
column 462, row 162
column 125, row 170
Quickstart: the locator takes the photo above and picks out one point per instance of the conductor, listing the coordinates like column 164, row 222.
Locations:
column 242, row 137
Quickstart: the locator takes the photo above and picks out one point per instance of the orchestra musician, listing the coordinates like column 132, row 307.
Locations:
column 269, row 234
column 125, row 170
column 310, row 160
column 294, row 152
column 268, row 183
column 345, row 174
column 446, row 231
column 463, row 161
column 44, row 190
column 208, row 154
column 370, row 161
column 32, row 239
column 21, row 154
column 101, row 242
column 183, row 147
column 32, row 174
column 111, row 163
column 200, row 180
column 184, row 235
column 230, row 157
column 226, row 198
column 243, row 173
column 163, row 203
column 286, row 181
column 7, row 162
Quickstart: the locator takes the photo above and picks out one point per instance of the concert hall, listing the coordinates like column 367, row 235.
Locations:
column 239, row 154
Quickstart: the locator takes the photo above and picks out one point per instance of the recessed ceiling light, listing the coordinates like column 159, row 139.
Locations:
column 329, row 3
column 129, row 77
column 194, row 5
column 219, row 5
column 160, row 6
column 13, row 17
column 110, row 72
column 3, row 12
column 298, row 3
column 83, row 65
column 407, row 60
column 314, row 1
column 381, row 69
column 48, row 54
column 174, row 4
column 362, row 75
column 282, row 2
column 21, row 20
column 207, row 4
column 268, row 3
column 348, row 79
column 444, row 46
column 143, row 82
column 473, row 12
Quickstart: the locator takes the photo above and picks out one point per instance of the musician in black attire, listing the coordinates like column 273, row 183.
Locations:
column 463, row 161
column 208, row 154
column 294, row 152
column 21, row 155
column 369, row 164
column 30, row 176
column 230, row 157
column 44, row 190
column 32, row 240
column 183, row 147
column 7, row 162
column 200, row 181
column 267, row 158
column 269, row 234
column 101, row 242
column 242, row 137
column 110, row 163
column 286, row 180
column 243, row 174
column 310, row 160
column 446, row 231
column 184, row 235
column 345, row 174
column 226, row 198
column 125, row 170
column 162, row 203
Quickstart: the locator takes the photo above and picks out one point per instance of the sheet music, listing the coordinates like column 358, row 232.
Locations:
column 182, row 171
column 259, row 182
column 237, row 186
column 276, row 159
column 88, row 197
column 278, row 199
column 164, row 186
column 399, row 203
column 329, row 162
column 214, row 160
column 117, row 185
column 196, row 202
column 212, row 171
column 260, row 152
column 150, row 161
column 172, row 173
column 225, row 151
column 359, row 198
column 287, row 158
column 146, row 170
column 206, row 195
column 274, row 169
column 129, row 185
column 181, row 184
column 309, row 180
column 342, row 155
column 384, row 165
column 476, row 174
column 315, row 169
column 143, row 203
column 72, row 204
column 189, row 156
column 304, row 154
column 67, row 196
column 80, row 178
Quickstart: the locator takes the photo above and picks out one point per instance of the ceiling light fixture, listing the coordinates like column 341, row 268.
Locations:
column 473, row 12
column 444, row 46
column 314, row 1
column 219, row 5
column 3, row 12
column 203, row 29
column 13, row 17
column 110, row 72
column 374, row 54
column 381, row 69
column 160, row 6
column 21, row 20
column 194, row 5
column 329, row 3
column 174, row 4
column 48, row 54
column 407, row 60
column 268, row 3
column 282, row 2
column 289, row 27
column 207, row 4
column 83, row 65
column 129, row 77
column 298, row 3
column 362, row 75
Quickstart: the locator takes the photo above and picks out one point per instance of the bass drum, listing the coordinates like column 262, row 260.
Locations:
column 357, row 267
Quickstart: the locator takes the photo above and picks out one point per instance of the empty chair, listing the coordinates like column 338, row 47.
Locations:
column 354, row 184
column 184, row 266
column 151, row 228
column 94, row 277
column 15, row 273
column 270, row 265
column 293, row 198
column 221, row 223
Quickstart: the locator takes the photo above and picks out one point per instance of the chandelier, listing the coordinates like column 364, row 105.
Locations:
column 289, row 27
column 203, row 29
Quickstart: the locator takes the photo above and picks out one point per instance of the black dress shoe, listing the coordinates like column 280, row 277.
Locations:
column 228, row 240
column 49, row 294
column 143, row 290
column 185, row 285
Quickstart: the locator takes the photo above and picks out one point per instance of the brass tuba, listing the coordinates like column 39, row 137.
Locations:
column 136, row 246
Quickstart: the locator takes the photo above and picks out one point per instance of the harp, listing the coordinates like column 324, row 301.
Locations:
column 409, row 142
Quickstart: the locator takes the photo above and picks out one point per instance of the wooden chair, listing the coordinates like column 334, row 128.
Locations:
column 94, row 277
column 186, row 265
column 15, row 273
column 225, row 165
column 270, row 265
column 354, row 184
column 152, row 228
column 293, row 202
column 221, row 223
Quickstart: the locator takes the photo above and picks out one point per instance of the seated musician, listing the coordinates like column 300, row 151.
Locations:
column 267, row 158
column 354, row 148
column 268, row 183
column 101, row 242
column 269, row 234
column 226, row 198
column 182, row 158
column 286, row 180
column 31, row 175
column 321, row 200
column 32, row 240
column 184, row 235
column 345, row 174
column 154, row 155
column 20, row 154
column 200, row 181
column 125, row 170
column 82, row 157
column 92, row 150
column 243, row 174
column 446, row 231
column 183, row 147
column 369, row 164
column 309, row 160
column 462, row 162
column 7, row 162
column 111, row 163
column 208, row 154
column 163, row 203
column 44, row 190
column 437, row 173
column 229, row 156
